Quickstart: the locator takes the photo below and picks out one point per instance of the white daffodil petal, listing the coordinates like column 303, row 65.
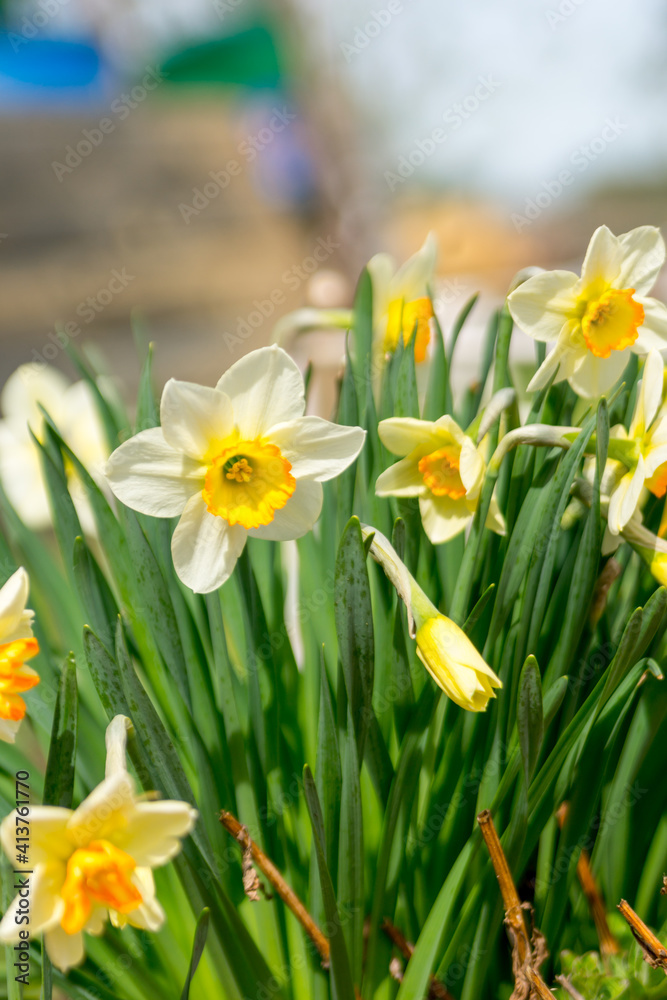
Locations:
column 205, row 547
column 603, row 258
column 623, row 501
column 643, row 256
column 64, row 950
column 494, row 519
column 652, row 334
column 48, row 833
column 266, row 388
column 381, row 268
column 298, row 515
column 8, row 730
column 195, row 417
column 594, row 377
column 471, row 469
column 30, row 386
column 97, row 921
column 316, row 448
column 148, row 475
column 541, row 304
column 153, row 831
column 443, row 518
column 21, row 477
column 655, row 458
column 149, row 916
column 403, row 479
column 412, row 279
column 402, row 435
column 46, row 905
column 563, row 358
column 649, row 396
column 447, row 429
column 13, row 599
column 103, row 811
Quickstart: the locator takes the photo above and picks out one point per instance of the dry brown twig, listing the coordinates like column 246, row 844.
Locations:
column 608, row 943
column 654, row 950
column 254, row 855
column 528, row 953
column 436, row 990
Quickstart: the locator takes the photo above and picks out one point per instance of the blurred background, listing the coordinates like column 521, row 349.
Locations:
column 209, row 165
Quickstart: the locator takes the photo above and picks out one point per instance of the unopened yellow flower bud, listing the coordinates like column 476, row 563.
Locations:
column 455, row 665
column 444, row 648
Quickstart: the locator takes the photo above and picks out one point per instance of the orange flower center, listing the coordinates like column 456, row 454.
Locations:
column 657, row 484
column 405, row 318
column 610, row 322
column 247, row 482
column 440, row 471
column 99, row 873
column 15, row 676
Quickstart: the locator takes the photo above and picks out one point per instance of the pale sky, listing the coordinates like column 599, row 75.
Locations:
column 557, row 73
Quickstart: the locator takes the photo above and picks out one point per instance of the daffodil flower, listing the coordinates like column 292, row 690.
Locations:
column 639, row 457
column 237, row 460
column 17, row 645
column 401, row 300
column 74, row 412
column 444, row 648
column 95, row 863
column 442, row 467
column 596, row 319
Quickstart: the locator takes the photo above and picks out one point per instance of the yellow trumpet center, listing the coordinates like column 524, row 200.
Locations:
column 99, row 873
column 404, row 318
column 610, row 322
column 15, row 676
column 440, row 472
column 247, row 482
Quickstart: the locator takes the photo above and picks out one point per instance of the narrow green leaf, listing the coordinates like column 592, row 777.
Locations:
column 530, row 716
column 342, row 984
column 328, row 772
column 350, row 894
column 438, row 391
column 354, row 627
column 59, row 776
column 148, row 414
column 406, row 400
column 201, row 933
column 458, row 326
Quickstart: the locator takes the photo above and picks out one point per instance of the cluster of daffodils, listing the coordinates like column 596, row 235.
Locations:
column 17, row 646
column 73, row 410
column 95, row 863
